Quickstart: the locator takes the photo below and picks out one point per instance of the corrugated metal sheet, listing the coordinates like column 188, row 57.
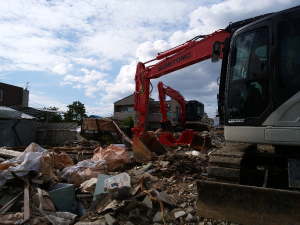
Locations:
column 9, row 113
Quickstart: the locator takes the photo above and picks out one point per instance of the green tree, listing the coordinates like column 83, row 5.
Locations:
column 128, row 122
column 75, row 113
column 53, row 117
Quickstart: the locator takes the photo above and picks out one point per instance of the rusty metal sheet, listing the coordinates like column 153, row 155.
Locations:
column 247, row 205
column 144, row 147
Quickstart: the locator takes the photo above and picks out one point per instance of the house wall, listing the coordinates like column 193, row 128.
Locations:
column 25, row 98
column 154, row 116
column 11, row 95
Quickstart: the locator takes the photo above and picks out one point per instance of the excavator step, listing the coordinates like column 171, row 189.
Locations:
column 247, row 205
column 225, row 164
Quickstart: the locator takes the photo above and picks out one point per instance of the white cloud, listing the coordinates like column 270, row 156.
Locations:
column 90, row 76
column 62, row 36
column 62, row 68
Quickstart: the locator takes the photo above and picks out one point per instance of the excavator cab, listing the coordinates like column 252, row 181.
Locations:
column 194, row 111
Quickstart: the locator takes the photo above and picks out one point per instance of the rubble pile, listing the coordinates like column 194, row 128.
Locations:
column 46, row 186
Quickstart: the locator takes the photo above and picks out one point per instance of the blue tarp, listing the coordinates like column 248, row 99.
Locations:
column 94, row 116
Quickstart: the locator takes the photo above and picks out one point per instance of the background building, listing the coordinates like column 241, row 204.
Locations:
column 11, row 95
column 124, row 108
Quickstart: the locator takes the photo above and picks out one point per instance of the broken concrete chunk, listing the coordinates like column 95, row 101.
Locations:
column 189, row 209
column 134, row 214
column 199, row 155
column 157, row 217
column 109, row 219
column 148, row 202
column 164, row 163
column 165, row 198
column 135, row 189
column 129, row 223
column 189, row 217
column 179, row 214
column 183, row 205
column 177, row 198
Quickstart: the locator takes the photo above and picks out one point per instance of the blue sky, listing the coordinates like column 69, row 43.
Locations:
column 87, row 51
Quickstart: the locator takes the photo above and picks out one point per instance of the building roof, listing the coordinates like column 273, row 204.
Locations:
column 9, row 113
column 35, row 112
column 127, row 97
column 10, row 85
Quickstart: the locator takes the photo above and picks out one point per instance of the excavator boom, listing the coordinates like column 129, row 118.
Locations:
column 187, row 54
column 163, row 91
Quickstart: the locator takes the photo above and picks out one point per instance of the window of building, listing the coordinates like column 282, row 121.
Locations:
column 127, row 109
column 1, row 94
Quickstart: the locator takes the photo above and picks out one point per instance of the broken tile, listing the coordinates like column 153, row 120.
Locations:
column 189, row 217
column 179, row 214
column 183, row 205
column 189, row 209
column 165, row 198
column 157, row 217
column 164, row 163
column 129, row 223
column 148, row 202
column 135, row 189
column 170, row 216
column 109, row 219
column 177, row 198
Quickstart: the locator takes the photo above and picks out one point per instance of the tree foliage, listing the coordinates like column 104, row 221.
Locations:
column 53, row 117
column 75, row 113
column 128, row 122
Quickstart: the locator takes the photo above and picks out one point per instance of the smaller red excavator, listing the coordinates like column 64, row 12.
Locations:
column 164, row 90
column 189, row 114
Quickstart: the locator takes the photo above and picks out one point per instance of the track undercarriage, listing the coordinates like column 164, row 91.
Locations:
column 249, row 184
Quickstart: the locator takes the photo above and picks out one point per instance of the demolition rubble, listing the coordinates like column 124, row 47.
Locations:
column 85, row 183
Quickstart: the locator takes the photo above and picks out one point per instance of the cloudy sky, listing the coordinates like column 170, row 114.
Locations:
column 87, row 50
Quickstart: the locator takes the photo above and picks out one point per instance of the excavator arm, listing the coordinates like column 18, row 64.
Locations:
column 184, row 55
column 165, row 90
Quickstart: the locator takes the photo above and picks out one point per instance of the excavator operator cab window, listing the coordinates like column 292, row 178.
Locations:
column 289, row 52
column 249, row 82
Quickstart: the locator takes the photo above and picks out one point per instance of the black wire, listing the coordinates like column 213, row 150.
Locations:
column 197, row 37
column 151, row 88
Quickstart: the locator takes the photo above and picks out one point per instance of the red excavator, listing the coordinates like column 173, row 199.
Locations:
column 258, row 103
column 164, row 90
column 189, row 114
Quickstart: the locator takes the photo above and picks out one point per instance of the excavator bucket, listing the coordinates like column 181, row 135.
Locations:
column 202, row 142
column 167, row 139
column 146, row 147
column 186, row 137
column 247, row 205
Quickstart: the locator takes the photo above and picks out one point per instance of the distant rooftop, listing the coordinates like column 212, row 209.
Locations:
column 35, row 112
column 9, row 113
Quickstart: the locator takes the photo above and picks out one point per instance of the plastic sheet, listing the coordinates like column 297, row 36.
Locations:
column 118, row 186
column 83, row 171
column 25, row 163
column 33, row 147
column 114, row 156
